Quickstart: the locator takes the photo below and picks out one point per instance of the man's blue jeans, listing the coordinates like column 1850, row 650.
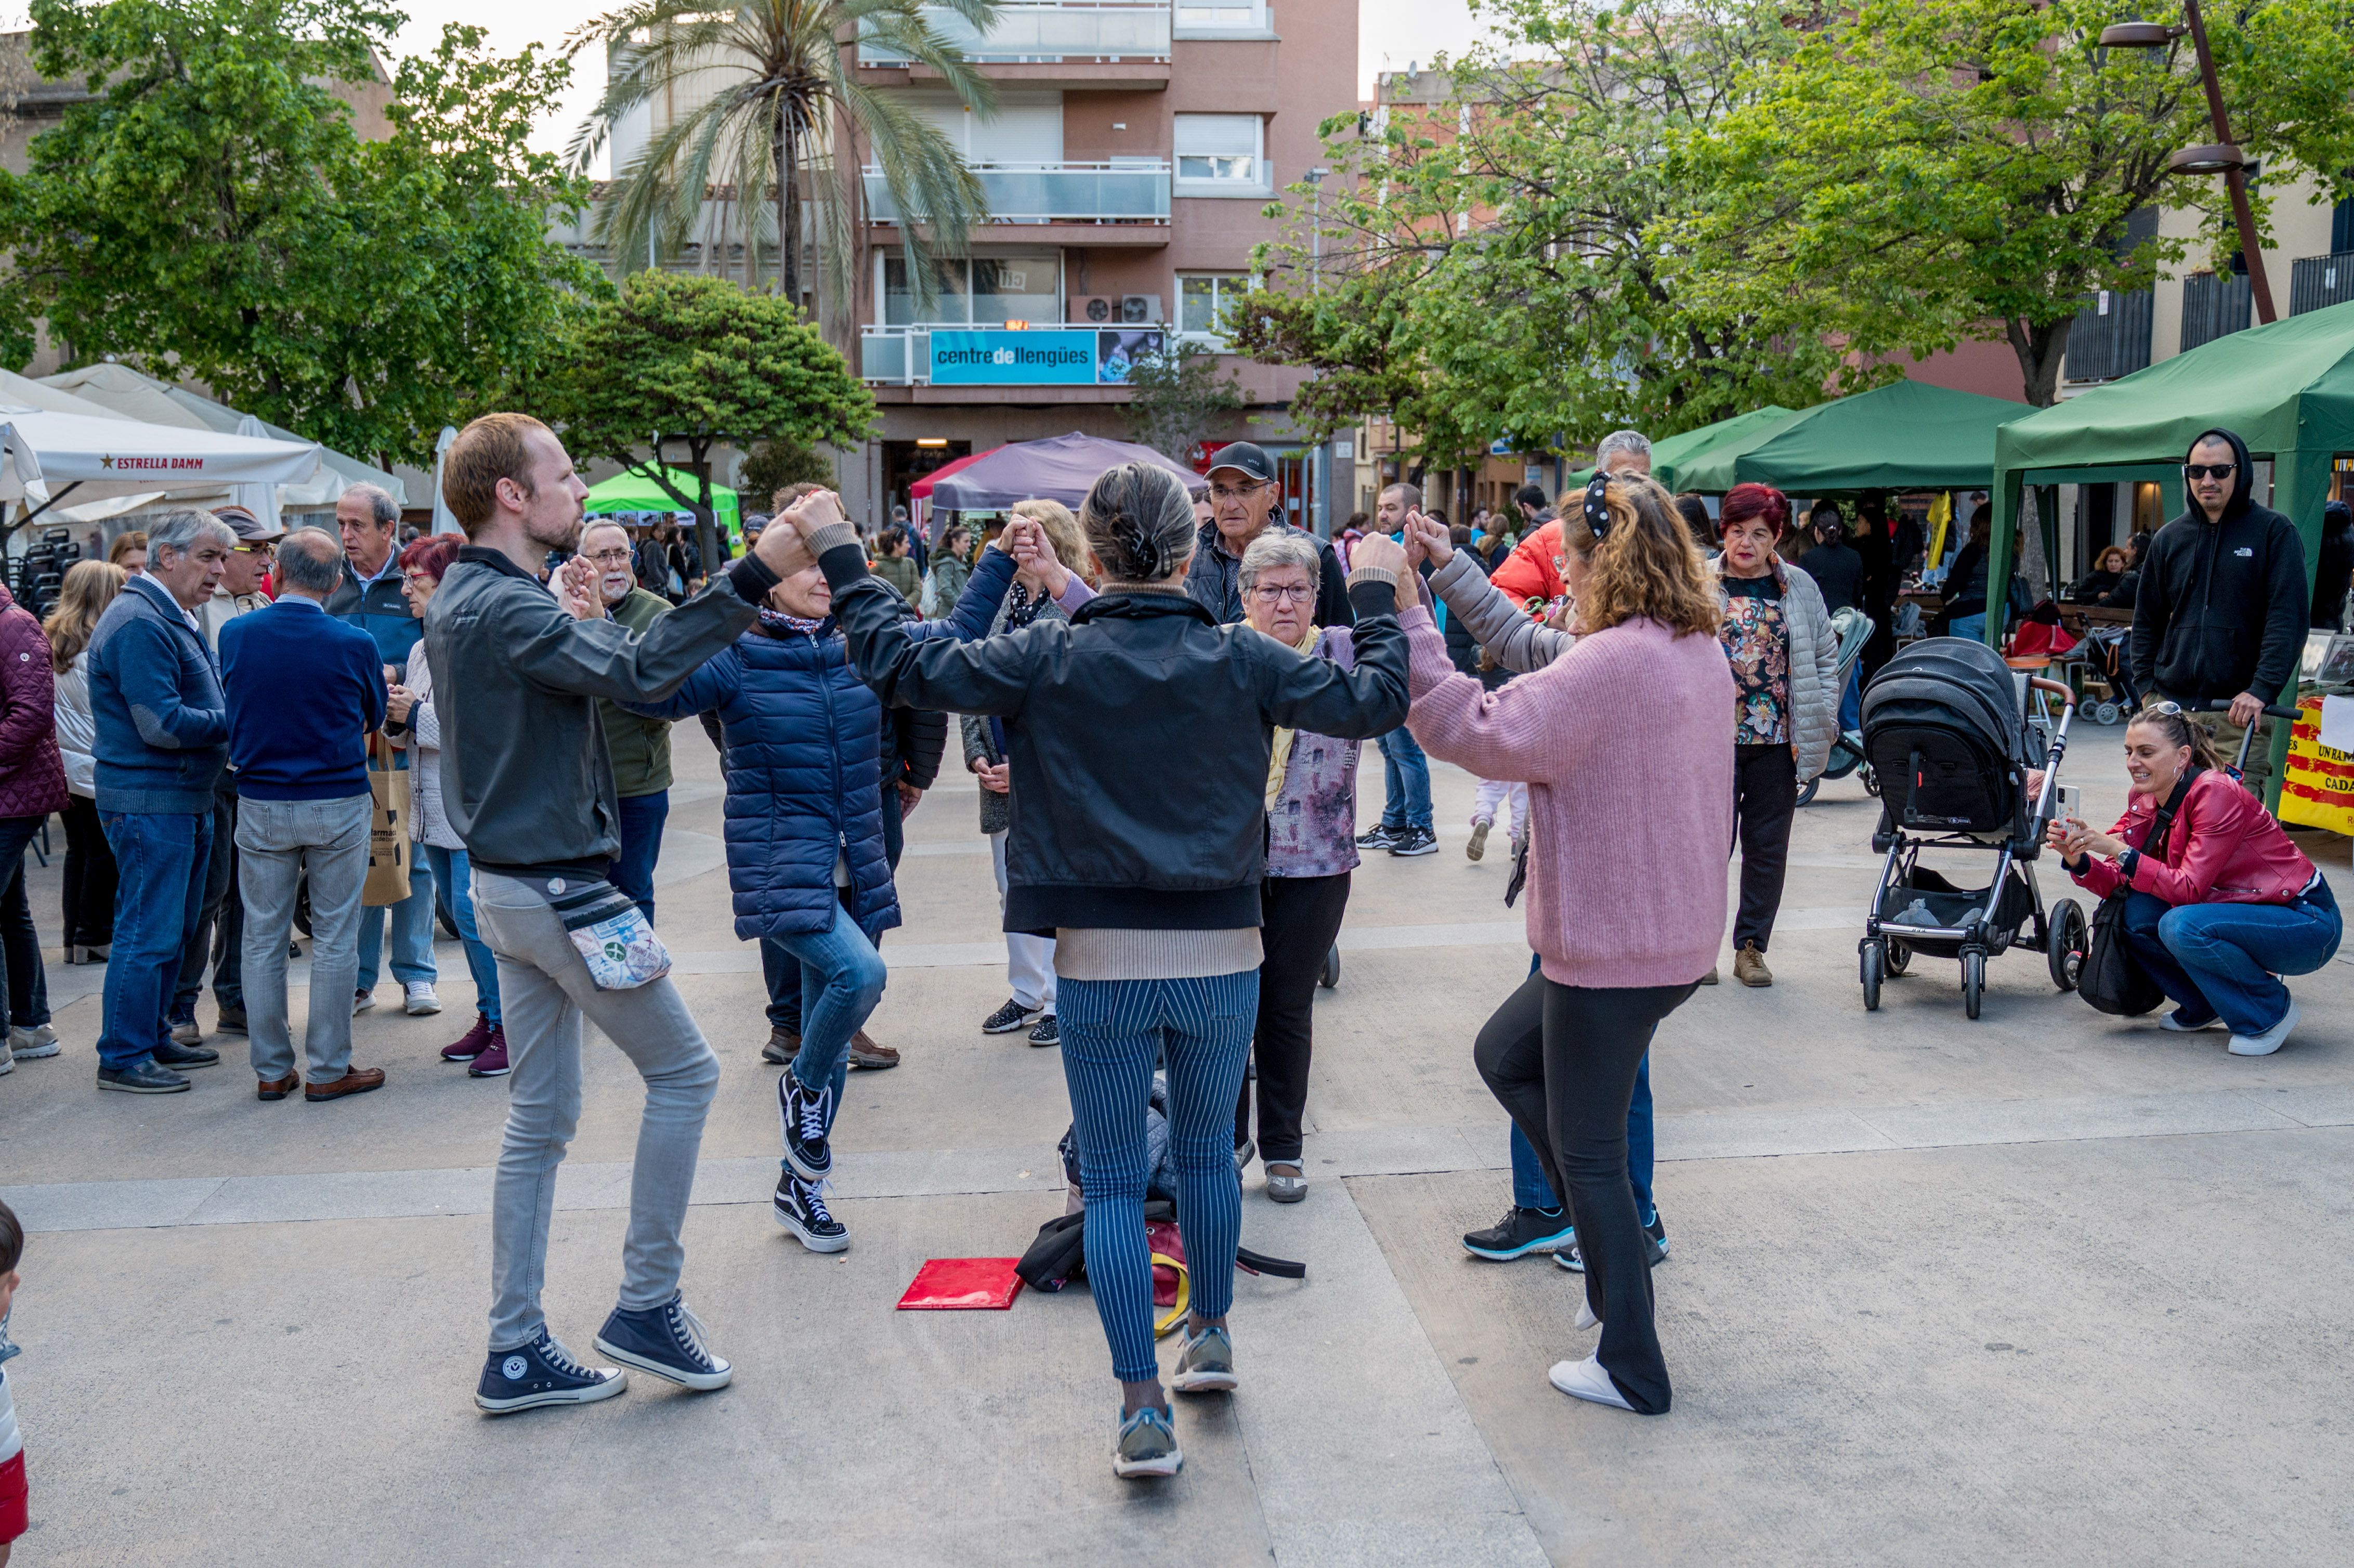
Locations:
column 1530, row 1189
column 1406, row 781
column 842, row 979
column 412, row 932
column 641, row 833
column 2219, row 958
column 455, row 875
column 160, row 862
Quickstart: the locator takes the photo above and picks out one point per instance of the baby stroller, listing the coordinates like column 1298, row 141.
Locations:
column 1854, row 629
column 2106, row 655
column 1945, row 727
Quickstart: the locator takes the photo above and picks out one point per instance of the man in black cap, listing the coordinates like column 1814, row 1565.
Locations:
column 1244, row 496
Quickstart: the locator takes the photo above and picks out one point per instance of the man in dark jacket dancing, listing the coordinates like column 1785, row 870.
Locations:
column 529, row 786
column 2220, row 611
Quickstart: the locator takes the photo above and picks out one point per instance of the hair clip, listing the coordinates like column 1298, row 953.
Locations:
column 1597, row 509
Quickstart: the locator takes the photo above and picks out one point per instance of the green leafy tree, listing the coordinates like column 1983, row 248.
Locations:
column 1179, row 398
column 678, row 363
column 213, row 213
column 1965, row 168
column 1491, row 266
column 778, row 461
column 786, row 103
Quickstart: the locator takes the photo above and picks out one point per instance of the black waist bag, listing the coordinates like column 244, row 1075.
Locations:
column 2112, row 979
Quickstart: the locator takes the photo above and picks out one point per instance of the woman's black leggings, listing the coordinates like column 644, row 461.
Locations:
column 1561, row 1060
column 1301, row 917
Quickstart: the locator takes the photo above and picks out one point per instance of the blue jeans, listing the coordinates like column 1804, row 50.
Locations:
column 2219, row 958
column 1530, row 1189
column 1969, row 627
column 1406, row 781
column 642, row 829
column 160, row 861
column 28, row 992
column 842, row 971
column 455, row 875
column 1114, row 1033
column 412, row 932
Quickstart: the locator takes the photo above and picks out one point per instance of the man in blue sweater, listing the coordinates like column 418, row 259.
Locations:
column 156, row 703
column 304, row 690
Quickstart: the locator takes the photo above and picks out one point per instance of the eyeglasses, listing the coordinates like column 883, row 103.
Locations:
column 614, row 556
column 1242, row 492
column 2209, row 470
column 1285, row 593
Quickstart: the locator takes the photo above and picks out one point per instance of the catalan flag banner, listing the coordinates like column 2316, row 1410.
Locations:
column 2318, row 789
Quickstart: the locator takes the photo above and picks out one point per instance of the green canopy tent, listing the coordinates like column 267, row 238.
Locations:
column 628, row 492
column 1907, row 435
column 2286, row 388
column 1675, row 459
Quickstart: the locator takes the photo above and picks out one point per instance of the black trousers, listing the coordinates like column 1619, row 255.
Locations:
column 1561, row 1060
column 1764, row 798
column 219, row 935
column 1299, row 916
column 89, row 876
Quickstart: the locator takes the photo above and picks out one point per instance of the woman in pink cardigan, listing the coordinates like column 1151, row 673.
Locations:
column 1622, row 744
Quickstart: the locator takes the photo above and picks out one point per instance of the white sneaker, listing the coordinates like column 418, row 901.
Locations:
column 31, row 1044
column 2270, row 1041
column 7, row 1059
column 419, row 1000
column 1585, row 1380
column 1586, row 1317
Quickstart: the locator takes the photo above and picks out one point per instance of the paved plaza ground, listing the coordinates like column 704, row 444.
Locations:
column 2045, row 1288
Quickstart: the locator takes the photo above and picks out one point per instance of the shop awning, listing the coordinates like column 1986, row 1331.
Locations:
column 627, row 492
column 1907, row 435
column 1703, row 459
column 50, row 455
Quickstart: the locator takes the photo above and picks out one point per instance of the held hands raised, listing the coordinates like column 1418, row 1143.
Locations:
column 578, row 586
column 1427, row 540
column 1033, row 555
column 783, row 545
column 1381, row 553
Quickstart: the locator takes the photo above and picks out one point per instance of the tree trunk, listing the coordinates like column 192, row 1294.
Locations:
column 707, row 522
column 2040, row 350
column 786, row 145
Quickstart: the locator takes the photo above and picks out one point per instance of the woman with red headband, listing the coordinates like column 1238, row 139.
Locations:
column 1778, row 636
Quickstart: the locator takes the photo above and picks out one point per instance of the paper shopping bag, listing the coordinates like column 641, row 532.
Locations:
column 389, row 845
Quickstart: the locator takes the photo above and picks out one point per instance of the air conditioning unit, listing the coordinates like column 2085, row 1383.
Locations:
column 1140, row 310
column 1096, row 310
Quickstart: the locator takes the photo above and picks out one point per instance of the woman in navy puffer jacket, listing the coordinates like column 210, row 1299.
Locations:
column 804, row 832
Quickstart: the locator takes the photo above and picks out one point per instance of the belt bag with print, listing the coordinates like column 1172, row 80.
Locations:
column 615, row 940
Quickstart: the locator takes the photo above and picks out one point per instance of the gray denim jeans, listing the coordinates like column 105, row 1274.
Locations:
column 276, row 842
column 544, row 990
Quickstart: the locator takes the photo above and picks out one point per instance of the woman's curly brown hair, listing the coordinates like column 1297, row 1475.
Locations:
column 1645, row 565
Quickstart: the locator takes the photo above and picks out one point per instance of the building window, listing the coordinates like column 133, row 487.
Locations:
column 1205, row 299
column 1224, row 17
column 979, row 290
column 1220, row 150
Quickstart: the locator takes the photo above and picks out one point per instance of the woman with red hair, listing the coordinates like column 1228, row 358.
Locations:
column 1777, row 637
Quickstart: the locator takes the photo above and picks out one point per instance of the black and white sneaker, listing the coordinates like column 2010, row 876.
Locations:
column 804, row 1116
column 1414, row 841
column 1048, row 1032
column 542, row 1373
column 1655, row 1248
column 1380, row 836
column 1008, row 1019
column 801, row 1209
column 666, row 1341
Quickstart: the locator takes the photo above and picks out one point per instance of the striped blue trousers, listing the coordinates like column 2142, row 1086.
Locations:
column 1114, row 1033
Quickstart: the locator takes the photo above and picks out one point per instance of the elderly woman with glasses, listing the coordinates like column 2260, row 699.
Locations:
column 1311, row 848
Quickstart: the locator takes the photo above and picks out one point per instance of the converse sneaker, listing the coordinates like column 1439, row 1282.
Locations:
column 31, row 1044
column 542, row 1373
column 1008, row 1019
column 804, row 1116
column 416, row 998
column 801, row 1209
column 1206, row 1365
column 472, row 1043
column 666, row 1341
column 1147, row 1444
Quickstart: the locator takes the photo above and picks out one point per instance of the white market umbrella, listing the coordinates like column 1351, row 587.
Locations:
column 444, row 520
column 49, row 456
column 260, row 498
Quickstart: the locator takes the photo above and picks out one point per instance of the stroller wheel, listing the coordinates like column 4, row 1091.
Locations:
column 1900, row 956
column 1875, row 964
column 1972, row 980
column 2065, row 948
column 1330, row 974
column 1872, row 787
column 1807, row 791
column 2106, row 712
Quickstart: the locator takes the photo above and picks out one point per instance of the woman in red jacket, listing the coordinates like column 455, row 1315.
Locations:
column 2227, row 904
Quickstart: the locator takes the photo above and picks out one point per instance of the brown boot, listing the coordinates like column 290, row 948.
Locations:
column 864, row 1053
column 1749, row 966
column 279, row 1088
column 783, row 1045
column 355, row 1081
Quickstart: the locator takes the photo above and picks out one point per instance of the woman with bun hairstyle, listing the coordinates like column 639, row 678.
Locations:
column 1777, row 637
column 1138, row 737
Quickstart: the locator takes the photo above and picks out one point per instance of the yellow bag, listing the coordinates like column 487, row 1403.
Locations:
column 390, row 848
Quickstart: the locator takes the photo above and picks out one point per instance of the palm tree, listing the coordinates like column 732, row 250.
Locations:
column 775, row 128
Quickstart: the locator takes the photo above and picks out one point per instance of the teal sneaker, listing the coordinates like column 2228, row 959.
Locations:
column 1148, row 1445
column 1205, row 1365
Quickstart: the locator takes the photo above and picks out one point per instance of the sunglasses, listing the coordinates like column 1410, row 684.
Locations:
column 2170, row 710
column 2209, row 470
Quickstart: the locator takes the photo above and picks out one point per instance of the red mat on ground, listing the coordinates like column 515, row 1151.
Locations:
column 963, row 1285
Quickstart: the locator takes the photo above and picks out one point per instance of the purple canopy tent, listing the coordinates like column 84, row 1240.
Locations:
column 1060, row 468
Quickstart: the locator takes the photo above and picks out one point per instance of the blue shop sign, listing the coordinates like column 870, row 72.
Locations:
column 1078, row 358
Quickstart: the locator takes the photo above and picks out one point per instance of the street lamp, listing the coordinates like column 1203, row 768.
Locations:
column 2221, row 156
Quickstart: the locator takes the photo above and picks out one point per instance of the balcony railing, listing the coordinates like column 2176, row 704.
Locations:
column 2319, row 281
column 2110, row 336
column 2213, row 306
column 1024, row 35
column 1055, row 193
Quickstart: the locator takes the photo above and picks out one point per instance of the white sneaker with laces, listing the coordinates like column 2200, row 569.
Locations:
column 2270, row 1041
column 31, row 1044
column 1585, row 1380
column 417, row 999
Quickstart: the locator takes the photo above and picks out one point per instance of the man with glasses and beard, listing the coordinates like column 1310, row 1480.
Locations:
column 639, row 747
column 2221, row 608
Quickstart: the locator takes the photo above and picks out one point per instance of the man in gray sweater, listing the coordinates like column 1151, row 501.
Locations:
column 528, row 786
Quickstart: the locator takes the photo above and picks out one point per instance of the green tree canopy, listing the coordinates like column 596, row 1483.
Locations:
column 1965, row 168
column 212, row 212
column 689, row 363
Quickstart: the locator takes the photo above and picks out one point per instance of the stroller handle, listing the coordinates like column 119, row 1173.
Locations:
column 2060, row 689
column 2223, row 704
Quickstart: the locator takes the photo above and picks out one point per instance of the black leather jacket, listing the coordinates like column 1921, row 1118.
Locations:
column 1138, row 732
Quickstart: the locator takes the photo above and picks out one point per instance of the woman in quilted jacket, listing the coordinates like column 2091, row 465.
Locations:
column 32, row 785
column 89, row 587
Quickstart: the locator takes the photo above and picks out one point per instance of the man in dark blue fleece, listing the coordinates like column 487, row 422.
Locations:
column 305, row 689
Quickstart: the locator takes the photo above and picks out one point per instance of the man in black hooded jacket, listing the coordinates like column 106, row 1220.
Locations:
column 2221, row 604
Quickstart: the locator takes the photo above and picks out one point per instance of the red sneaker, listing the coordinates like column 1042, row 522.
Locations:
column 492, row 1061
column 472, row 1043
